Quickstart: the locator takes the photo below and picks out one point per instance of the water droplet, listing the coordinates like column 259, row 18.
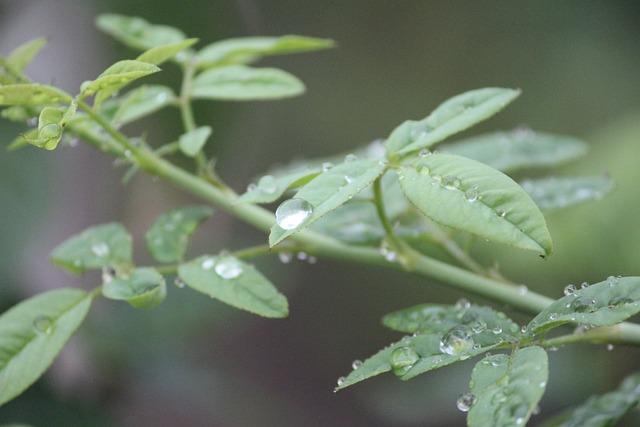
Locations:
column 402, row 360
column 326, row 166
column 252, row 187
column 611, row 280
column 423, row 169
column 341, row 381
column 497, row 330
column 208, row 263
column 501, row 213
column 465, row 401
column 127, row 153
column 524, row 329
column 569, row 290
column 478, row 326
column 583, row 304
column 108, row 273
column 292, row 213
column 553, row 316
column 462, row 303
column 618, row 301
column 387, row 252
column 100, row 249
column 522, row 290
column 457, row 340
column 356, row 364
column 424, row 152
column 450, row 182
column 179, row 283
column 351, row 176
column 350, row 158
column 471, row 194
column 43, row 325
column 228, row 267
column 268, row 184
column 285, row 257
column 610, row 347
column 584, row 285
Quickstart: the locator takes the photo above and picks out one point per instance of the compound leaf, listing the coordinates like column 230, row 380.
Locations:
column 240, row 83
column 470, row 196
column 142, row 288
column 32, row 334
column 236, row 283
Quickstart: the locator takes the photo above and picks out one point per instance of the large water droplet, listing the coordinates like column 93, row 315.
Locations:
column 457, row 340
column 228, row 267
column 471, row 194
column 292, row 213
column 100, row 249
column 450, row 182
column 402, row 360
column 268, row 184
column 207, row 264
column 465, row 401
column 43, row 325
column 583, row 304
column 351, row 176
column 356, row 364
column 341, row 381
column 569, row 290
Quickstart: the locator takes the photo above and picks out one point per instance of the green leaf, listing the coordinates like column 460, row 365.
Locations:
column 141, row 102
column 470, row 196
column 236, row 283
column 518, row 149
column 270, row 188
column 191, row 143
column 32, row 334
column 136, row 32
column 159, row 54
column 142, row 288
column 602, row 411
column 115, row 78
column 51, row 123
column 32, row 94
column 452, row 116
column 240, row 83
column 441, row 335
column 21, row 56
column 250, row 49
column 559, row 193
column 326, row 192
column 168, row 237
column 106, row 245
column 602, row 304
column 507, row 390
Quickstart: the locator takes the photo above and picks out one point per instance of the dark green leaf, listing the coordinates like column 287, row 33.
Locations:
column 191, row 143
column 325, row 193
column 240, row 83
column 142, row 288
column 106, row 245
column 518, row 149
column 168, row 237
column 159, row 54
column 559, row 193
column 602, row 304
column 236, row 283
column 250, row 49
column 141, row 102
column 32, row 334
column 452, row 116
column 470, row 196
column 32, row 94
column 21, row 56
column 115, row 78
column 507, row 391
column 602, row 411
column 137, row 33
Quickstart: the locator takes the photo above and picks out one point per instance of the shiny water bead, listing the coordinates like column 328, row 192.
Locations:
column 341, row 381
column 463, row 303
column 424, row 152
column 108, row 273
column 100, row 249
column 292, row 213
column 326, row 166
column 471, row 194
column 402, row 360
column 611, row 280
column 268, row 184
column 43, row 325
column 618, row 301
column 465, row 401
column 584, row 285
column 583, row 304
column 208, row 263
column 569, row 290
column 351, row 176
column 457, row 340
column 450, row 182
column 350, row 158
column 356, row 364
column 228, row 267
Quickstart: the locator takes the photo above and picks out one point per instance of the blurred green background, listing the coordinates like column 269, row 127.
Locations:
column 193, row 361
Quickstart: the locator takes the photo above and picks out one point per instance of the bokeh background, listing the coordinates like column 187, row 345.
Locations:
column 193, row 361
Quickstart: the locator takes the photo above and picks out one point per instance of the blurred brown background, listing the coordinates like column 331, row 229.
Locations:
column 193, row 361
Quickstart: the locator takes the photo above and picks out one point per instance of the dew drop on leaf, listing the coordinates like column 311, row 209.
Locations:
column 457, row 340
column 43, row 325
column 463, row 303
column 356, row 364
column 228, row 267
column 326, row 166
column 350, row 158
column 108, row 273
column 611, row 280
column 207, row 264
column 341, row 381
column 402, row 360
column 465, row 401
column 471, row 194
column 618, row 301
column 450, row 182
column 583, row 304
column 268, row 184
column 569, row 290
column 100, row 249
column 179, row 283
column 424, row 152
column 292, row 213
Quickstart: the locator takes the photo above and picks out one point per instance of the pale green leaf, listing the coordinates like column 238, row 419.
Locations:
column 141, row 102
column 558, row 193
column 236, row 283
column 329, row 190
column 136, row 32
column 250, row 49
column 32, row 334
column 106, row 245
column 142, row 288
column 270, row 188
column 518, row 149
column 168, row 237
column 470, row 196
column 21, row 56
column 452, row 116
column 51, row 123
column 602, row 304
column 240, row 83
column 115, row 78
column 191, row 143
column 32, row 94
column 159, row 54
column 507, row 391
column 604, row 410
